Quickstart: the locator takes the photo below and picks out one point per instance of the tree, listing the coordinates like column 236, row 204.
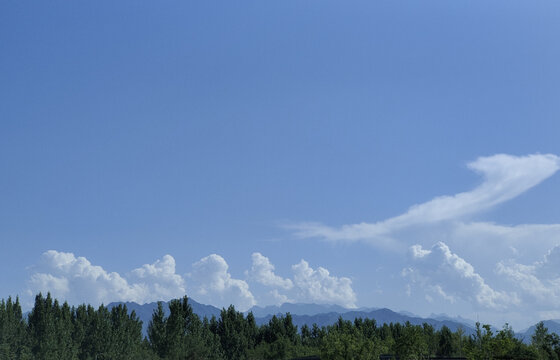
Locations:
column 445, row 342
column 126, row 333
column 232, row 332
column 544, row 342
column 157, row 331
column 13, row 335
column 410, row 344
column 42, row 329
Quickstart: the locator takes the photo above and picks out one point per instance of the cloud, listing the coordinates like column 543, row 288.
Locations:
column 262, row 271
column 539, row 282
column 278, row 299
column 76, row 280
column 549, row 268
column 451, row 277
column 505, row 177
column 525, row 241
column 160, row 278
column 213, row 284
column 319, row 286
column 307, row 285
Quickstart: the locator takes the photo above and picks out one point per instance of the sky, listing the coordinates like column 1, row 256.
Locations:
column 399, row 154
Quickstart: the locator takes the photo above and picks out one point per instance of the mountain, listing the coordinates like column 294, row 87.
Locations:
column 322, row 315
column 145, row 311
column 381, row 316
column 553, row 326
column 459, row 319
column 297, row 309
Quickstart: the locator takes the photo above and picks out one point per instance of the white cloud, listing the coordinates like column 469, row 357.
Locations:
column 278, row 299
column 213, row 284
column 505, row 177
column 539, row 282
column 450, row 280
column 319, row 286
column 76, row 280
column 453, row 278
column 525, row 280
column 526, row 241
column 307, row 285
column 45, row 283
column 160, row 279
column 262, row 271
column 549, row 268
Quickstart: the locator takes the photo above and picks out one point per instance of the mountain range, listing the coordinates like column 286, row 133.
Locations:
column 309, row 314
column 324, row 315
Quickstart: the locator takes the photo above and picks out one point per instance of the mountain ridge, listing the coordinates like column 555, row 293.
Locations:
column 302, row 314
column 325, row 315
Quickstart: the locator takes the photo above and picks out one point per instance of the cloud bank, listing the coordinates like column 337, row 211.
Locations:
column 77, row 280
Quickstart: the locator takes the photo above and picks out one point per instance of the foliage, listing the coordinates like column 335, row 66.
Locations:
column 55, row 331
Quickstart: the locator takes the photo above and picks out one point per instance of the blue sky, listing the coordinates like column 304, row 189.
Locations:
column 228, row 150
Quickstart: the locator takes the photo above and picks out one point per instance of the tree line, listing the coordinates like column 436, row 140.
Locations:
column 57, row 331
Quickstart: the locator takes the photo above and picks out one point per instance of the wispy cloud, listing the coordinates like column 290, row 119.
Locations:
column 504, row 178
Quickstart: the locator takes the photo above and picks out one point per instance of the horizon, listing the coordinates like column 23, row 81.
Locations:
column 400, row 156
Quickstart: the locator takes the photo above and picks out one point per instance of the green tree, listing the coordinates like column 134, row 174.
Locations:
column 13, row 335
column 157, row 331
column 410, row 344
column 42, row 329
column 232, row 330
column 445, row 342
column 544, row 342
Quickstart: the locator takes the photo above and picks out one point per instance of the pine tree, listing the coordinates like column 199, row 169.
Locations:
column 42, row 329
column 157, row 331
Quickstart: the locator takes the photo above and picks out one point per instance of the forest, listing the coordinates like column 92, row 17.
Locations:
column 54, row 331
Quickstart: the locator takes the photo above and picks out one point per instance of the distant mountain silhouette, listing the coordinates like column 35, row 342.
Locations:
column 443, row 317
column 145, row 311
column 553, row 326
column 309, row 314
column 298, row 309
column 381, row 316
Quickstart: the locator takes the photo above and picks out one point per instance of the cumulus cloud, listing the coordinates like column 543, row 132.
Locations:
column 76, row 280
column 451, row 277
column 214, row 284
column 160, row 279
column 504, row 178
column 321, row 287
column 262, row 271
column 307, row 285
